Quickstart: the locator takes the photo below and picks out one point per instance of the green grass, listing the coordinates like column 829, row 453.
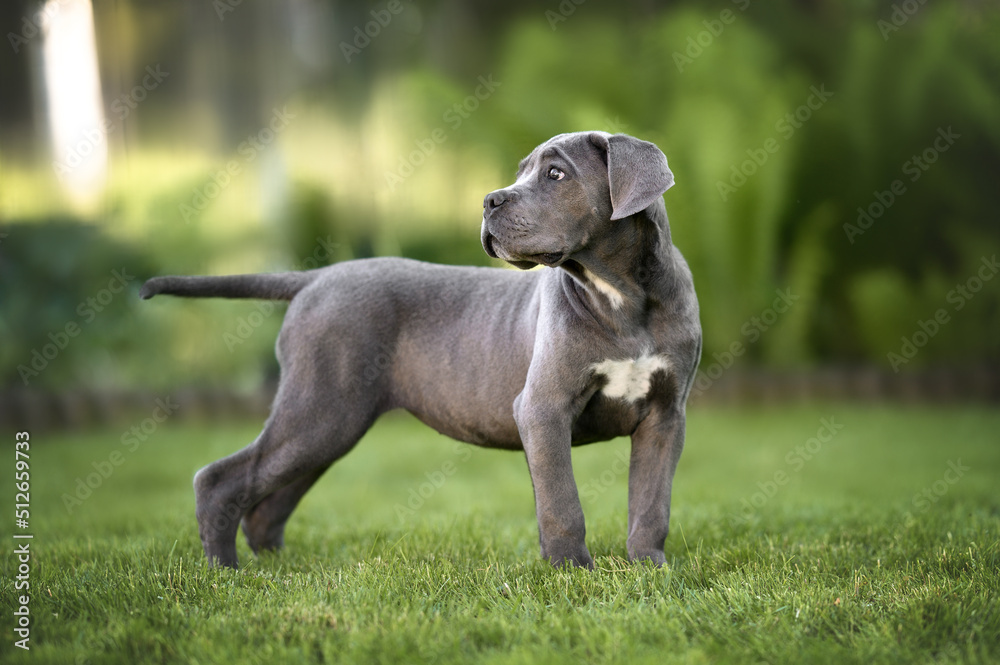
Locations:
column 845, row 563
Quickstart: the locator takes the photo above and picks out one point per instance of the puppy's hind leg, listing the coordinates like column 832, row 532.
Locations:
column 265, row 480
column 264, row 524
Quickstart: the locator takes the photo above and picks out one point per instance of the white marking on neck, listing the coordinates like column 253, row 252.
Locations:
column 613, row 295
column 630, row 379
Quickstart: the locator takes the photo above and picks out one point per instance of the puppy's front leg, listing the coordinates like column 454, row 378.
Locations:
column 656, row 448
column 546, row 434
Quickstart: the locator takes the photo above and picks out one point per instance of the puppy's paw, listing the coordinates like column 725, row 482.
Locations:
column 579, row 558
column 654, row 557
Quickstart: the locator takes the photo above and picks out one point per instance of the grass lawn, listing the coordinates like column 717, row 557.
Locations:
column 878, row 543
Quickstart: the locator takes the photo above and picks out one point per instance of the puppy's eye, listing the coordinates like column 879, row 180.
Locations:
column 556, row 174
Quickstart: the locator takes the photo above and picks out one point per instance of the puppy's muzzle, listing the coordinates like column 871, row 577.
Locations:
column 491, row 203
column 488, row 241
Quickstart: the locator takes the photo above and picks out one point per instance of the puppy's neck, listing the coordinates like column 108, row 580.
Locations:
column 626, row 272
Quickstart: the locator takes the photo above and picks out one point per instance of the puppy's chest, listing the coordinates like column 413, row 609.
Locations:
column 624, row 391
column 629, row 380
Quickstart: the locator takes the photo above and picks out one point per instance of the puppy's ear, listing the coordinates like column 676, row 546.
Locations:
column 637, row 172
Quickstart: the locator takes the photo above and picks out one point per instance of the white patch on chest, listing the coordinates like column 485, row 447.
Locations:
column 630, row 379
column 612, row 294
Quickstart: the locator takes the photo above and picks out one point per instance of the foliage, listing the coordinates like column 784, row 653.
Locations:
column 72, row 334
column 711, row 93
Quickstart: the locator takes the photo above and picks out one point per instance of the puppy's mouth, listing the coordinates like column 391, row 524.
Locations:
column 488, row 241
column 550, row 259
column 495, row 250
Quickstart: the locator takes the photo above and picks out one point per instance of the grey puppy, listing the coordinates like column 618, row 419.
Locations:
column 604, row 342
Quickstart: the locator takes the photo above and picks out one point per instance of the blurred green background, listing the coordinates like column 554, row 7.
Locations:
column 847, row 153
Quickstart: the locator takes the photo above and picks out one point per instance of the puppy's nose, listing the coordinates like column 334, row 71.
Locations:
column 497, row 199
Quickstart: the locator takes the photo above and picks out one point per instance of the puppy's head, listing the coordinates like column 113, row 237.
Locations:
column 567, row 191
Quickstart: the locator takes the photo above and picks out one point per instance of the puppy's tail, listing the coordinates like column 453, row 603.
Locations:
column 271, row 286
